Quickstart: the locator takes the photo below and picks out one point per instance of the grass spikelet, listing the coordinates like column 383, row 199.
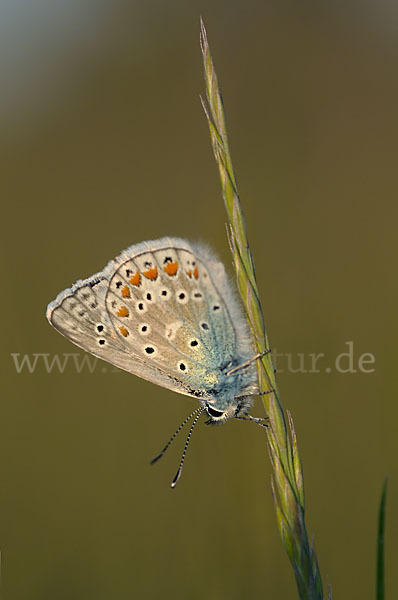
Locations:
column 287, row 479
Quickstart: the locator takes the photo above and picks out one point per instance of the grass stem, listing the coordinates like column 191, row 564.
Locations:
column 287, row 478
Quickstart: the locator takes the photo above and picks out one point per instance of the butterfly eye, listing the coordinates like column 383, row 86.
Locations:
column 214, row 413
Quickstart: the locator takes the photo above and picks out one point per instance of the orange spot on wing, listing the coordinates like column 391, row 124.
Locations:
column 125, row 292
column 171, row 268
column 189, row 273
column 151, row 274
column 123, row 312
column 123, row 331
column 135, row 279
column 196, row 272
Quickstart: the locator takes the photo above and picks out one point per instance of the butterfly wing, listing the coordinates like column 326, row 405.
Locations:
column 156, row 311
column 77, row 314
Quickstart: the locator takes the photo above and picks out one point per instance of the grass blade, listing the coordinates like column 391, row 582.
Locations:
column 380, row 544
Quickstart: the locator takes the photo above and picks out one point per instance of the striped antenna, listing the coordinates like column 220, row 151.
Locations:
column 177, row 431
column 178, row 474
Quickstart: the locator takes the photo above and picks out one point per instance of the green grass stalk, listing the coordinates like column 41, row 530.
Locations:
column 287, row 478
column 380, row 544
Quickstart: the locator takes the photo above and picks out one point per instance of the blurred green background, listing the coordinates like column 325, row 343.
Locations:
column 104, row 144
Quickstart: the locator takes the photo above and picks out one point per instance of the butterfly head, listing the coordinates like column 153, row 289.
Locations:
column 220, row 412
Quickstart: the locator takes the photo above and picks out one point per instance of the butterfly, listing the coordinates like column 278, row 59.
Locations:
column 165, row 310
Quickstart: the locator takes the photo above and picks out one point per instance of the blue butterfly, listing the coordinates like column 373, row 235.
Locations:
column 165, row 311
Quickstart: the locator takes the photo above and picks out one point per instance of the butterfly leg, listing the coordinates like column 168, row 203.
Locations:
column 256, row 394
column 248, row 362
column 258, row 420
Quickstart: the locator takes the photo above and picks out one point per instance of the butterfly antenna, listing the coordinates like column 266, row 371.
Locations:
column 175, row 435
column 247, row 362
column 258, row 420
column 178, row 474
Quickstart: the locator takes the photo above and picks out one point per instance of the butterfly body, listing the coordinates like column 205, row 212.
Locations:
column 164, row 310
